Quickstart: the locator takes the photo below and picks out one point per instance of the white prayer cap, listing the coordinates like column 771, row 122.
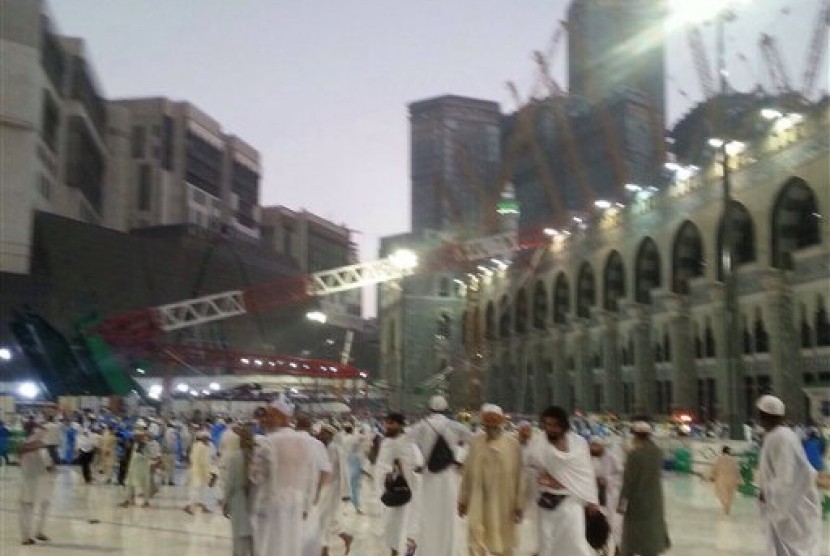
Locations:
column 524, row 423
column 202, row 434
column 438, row 403
column 598, row 440
column 771, row 405
column 491, row 408
column 283, row 405
column 325, row 427
column 641, row 427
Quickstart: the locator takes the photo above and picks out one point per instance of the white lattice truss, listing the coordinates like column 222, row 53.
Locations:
column 489, row 247
column 201, row 310
column 356, row 276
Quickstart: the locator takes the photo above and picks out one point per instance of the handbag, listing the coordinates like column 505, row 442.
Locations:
column 550, row 501
column 396, row 491
column 597, row 530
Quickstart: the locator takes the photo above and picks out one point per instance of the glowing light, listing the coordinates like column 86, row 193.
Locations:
column 715, row 142
column 5, row 354
column 258, row 362
column 28, row 390
column 735, row 147
column 633, row 187
column 316, row 316
column 245, row 361
column 771, row 114
column 214, row 386
column 672, row 166
column 182, row 387
column 140, row 371
column 363, row 375
column 404, row 259
column 602, row 204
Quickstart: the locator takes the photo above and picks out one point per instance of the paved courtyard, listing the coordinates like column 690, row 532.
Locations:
column 696, row 525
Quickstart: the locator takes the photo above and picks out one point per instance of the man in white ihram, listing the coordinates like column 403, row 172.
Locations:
column 789, row 497
column 567, row 487
column 439, row 491
column 284, row 477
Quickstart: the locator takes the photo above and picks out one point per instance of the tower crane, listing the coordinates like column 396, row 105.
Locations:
column 779, row 79
column 701, row 59
column 818, row 48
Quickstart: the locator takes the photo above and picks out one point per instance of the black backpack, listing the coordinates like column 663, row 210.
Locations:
column 441, row 455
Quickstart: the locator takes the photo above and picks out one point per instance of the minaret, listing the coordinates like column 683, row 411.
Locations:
column 508, row 209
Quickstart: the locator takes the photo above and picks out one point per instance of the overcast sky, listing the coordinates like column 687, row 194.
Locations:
column 320, row 87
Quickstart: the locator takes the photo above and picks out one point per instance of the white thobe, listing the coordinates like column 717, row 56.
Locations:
column 439, row 491
column 332, row 494
column 34, row 489
column 283, row 473
column 321, row 469
column 562, row 530
column 201, row 467
column 791, row 511
column 609, row 466
column 399, row 523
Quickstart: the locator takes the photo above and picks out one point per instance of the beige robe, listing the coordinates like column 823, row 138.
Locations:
column 492, row 489
column 726, row 475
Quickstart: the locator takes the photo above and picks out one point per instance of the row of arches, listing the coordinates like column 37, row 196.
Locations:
column 795, row 223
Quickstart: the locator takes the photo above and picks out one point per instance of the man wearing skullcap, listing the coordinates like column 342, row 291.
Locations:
column 334, row 493
column 201, row 465
column 608, row 468
column 284, row 477
column 492, row 488
column 789, row 498
column 439, row 489
column 641, row 499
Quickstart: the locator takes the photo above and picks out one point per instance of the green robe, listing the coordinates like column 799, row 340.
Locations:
column 644, row 524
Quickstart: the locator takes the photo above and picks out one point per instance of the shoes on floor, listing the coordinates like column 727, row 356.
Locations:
column 29, row 541
column 42, row 537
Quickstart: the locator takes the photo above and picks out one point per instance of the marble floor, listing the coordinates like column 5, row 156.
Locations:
column 696, row 526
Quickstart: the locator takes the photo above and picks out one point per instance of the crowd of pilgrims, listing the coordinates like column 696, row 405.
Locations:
column 283, row 480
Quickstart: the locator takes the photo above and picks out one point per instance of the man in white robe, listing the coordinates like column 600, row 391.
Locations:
column 35, row 463
column 565, row 475
column 202, row 473
column 790, row 505
column 313, row 544
column 335, row 491
column 284, row 476
column 398, row 452
column 608, row 468
column 439, row 491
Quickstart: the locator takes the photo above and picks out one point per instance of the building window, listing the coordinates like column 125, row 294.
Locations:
column 204, row 164
column 52, row 59
column 45, row 186
column 144, row 188
column 139, row 141
column 166, row 158
column 84, row 163
column 51, row 120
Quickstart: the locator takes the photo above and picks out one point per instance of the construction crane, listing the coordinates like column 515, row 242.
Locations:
column 701, row 59
column 779, row 79
column 818, row 47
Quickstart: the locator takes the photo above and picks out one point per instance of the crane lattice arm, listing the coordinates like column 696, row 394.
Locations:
column 779, row 78
column 818, row 47
column 701, row 59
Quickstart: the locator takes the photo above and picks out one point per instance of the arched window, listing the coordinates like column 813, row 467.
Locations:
column 647, row 268
column 490, row 321
column 806, row 329
column 444, row 326
column 586, row 293
column 561, row 299
column 521, row 312
column 540, row 306
column 822, row 324
column 613, row 282
column 743, row 237
column 709, row 339
column 795, row 222
column 761, row 336
column 666, row 346
column 504, row 317
column 687, row 257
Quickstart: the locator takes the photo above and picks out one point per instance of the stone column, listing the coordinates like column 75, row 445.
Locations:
column 683, row 369
column 611, row 361
column 786, row 364
column 540, row 386
column 727, row 395
column 644, row 370
column 520, row 356
column 583, row 366
column 559, row 380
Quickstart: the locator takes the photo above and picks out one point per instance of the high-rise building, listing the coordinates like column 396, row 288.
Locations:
column 617, row 45
column 62, row 146
column 455, row 155
column 315, row 244
column 188, row 170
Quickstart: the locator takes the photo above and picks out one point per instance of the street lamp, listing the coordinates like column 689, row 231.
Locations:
column 317, row 316
column 721, row 11
column 404, row 259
